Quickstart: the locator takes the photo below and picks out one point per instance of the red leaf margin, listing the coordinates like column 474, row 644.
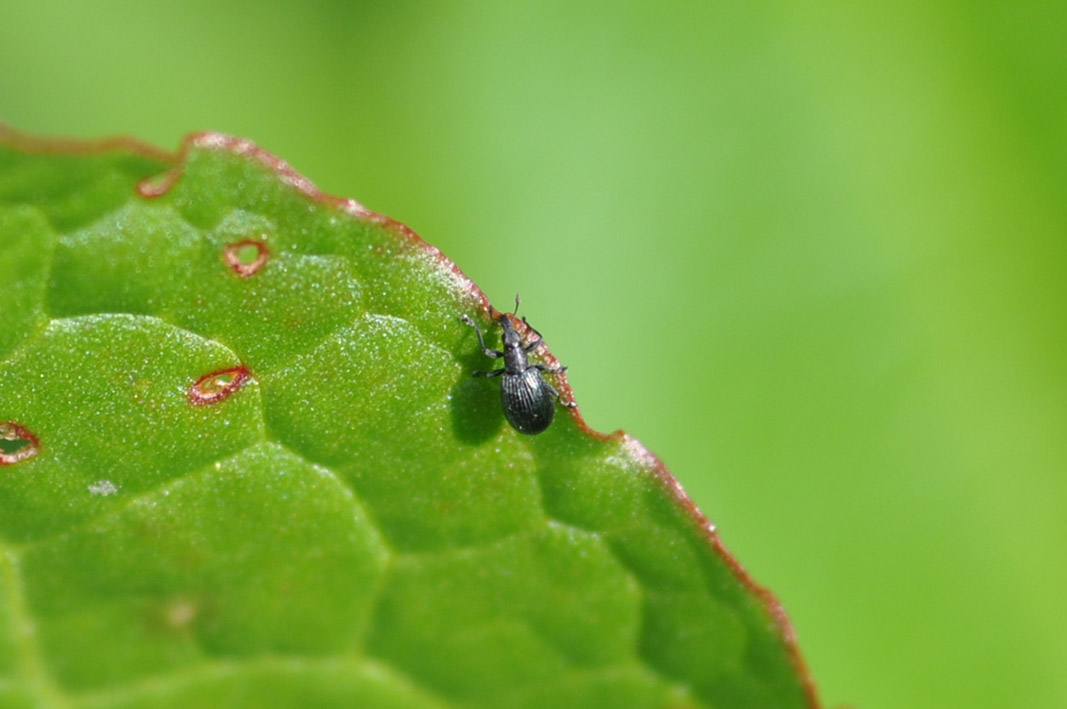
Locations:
column 157, row 186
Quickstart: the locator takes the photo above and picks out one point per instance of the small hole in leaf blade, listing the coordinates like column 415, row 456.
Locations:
column 217, row 386
column 246, row 257
column 16, row 443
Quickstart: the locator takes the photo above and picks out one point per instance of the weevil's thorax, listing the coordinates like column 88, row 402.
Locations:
column 515, row 361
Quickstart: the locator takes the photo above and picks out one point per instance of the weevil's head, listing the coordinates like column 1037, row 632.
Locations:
column 510, row 336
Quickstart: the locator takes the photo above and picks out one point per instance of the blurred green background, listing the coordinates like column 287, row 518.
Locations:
column 811, row 254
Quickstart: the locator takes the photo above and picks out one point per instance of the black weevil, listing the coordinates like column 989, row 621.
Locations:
column 525, row 396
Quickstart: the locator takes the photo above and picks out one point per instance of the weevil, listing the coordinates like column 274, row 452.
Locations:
column 525, row 396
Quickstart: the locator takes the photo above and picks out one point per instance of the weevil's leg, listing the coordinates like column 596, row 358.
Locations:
column 546, row 368
column 494, row 373
column 568, row 404
column 531, row 345
column 488, row 352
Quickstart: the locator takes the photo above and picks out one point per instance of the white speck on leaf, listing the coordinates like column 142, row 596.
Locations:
column 103, row 487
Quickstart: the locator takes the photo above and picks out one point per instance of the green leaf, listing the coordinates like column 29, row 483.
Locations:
column 246, row 464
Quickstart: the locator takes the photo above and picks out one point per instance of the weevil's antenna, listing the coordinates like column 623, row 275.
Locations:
column 516, row 313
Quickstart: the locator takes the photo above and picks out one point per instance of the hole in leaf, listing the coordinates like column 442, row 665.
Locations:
column 213, row 388
column 16, row 443
column 246, row 257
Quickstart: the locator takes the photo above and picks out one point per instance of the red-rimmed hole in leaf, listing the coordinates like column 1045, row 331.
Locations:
column 16, row 443
column 246, row 257
column 215, row 387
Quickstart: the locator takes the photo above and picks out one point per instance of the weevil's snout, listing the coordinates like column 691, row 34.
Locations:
column 509, row 335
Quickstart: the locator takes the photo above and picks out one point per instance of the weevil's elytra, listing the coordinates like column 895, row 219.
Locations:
column 525, row 396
